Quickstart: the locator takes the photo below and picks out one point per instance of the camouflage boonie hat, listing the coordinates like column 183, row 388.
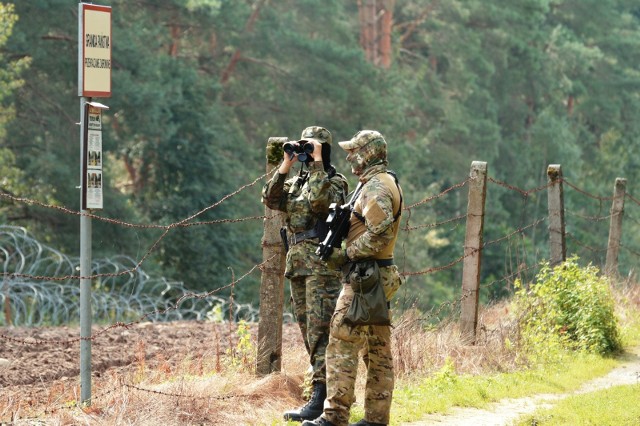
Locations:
column 373, row 147
column 318, row 133
column 362, row 138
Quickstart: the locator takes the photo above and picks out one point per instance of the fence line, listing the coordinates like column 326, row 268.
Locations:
column 14, row 279
column 12, row 276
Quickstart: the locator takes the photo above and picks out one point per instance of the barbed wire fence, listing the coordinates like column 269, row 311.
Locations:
column 39, row 284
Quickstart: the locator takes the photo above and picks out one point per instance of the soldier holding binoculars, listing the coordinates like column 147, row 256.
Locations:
column 305, row 198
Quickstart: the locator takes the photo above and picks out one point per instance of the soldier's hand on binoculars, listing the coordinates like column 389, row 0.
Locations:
column 287, row 162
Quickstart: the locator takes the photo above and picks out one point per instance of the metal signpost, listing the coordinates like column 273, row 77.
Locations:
column 94, row 80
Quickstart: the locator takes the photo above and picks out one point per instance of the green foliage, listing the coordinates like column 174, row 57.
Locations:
column 11, row 176
column 446, row 376
column 242, row 357
column 200, row 85
column 568, row 307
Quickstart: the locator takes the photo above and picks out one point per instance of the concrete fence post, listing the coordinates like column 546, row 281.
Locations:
column 557, row 238
column 615, row 228
column 269, row 351
column 473, row 252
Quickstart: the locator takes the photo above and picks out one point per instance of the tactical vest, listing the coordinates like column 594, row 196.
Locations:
column 357, row 225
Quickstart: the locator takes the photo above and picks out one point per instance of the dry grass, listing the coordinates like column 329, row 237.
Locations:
column 192, row 393
column 419, row 351
column 207, row 389
column 199, row 392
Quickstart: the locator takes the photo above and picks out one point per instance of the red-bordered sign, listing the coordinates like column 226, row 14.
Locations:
column 94, row 50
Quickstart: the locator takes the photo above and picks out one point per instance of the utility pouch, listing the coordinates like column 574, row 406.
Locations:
column 369, row 305
column 285, row 241
column 363, row 275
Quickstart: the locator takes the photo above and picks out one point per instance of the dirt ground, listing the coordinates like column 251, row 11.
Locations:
column 54, row 353
column 36, row 364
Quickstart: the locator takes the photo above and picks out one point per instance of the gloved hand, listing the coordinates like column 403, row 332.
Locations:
column 337, row 259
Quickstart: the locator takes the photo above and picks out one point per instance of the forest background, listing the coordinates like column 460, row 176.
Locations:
column 198, row 87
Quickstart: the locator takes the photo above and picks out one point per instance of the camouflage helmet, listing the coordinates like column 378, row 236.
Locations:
column 318, row 133
column 371, row 144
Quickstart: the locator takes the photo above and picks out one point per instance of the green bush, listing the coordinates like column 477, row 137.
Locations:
column 568, row 307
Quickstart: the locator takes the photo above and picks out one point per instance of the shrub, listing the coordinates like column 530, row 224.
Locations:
column 568, row 307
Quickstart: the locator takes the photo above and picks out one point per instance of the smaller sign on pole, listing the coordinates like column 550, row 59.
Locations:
column 92, row 162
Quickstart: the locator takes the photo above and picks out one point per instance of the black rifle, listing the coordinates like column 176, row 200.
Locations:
column 338, row 224
column 285, row 241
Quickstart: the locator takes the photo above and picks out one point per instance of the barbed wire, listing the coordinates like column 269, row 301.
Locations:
column 517, row 231
column 591, row 218
column 441, row 194
column 520, row 270
column 524, row 193
column 191, row 397
column 586, row 246
column 632, row 198
column 586, row 193
column 630, row 250
column 167, row 228
column 435, row 224
column 170, row 307
column 180, row 223
column 19, row 278
column 26, row 262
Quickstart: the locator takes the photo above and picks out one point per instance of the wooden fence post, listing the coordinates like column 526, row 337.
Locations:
column 615, row 228
column 557, row 241
column 473, row 252
column 269, row 351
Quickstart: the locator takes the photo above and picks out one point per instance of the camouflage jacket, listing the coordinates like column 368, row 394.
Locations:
column 305, row 200
column 375, row 222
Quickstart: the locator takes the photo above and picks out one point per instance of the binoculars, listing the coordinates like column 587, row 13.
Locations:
column 301, row 148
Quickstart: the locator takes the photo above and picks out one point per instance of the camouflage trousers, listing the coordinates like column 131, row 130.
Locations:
column 374, row 342
column 314, row 300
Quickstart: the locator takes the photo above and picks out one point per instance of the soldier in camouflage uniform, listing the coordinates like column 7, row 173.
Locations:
column 373, row 231
column 305, row 199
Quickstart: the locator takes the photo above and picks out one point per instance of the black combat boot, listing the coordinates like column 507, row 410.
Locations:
column 320, row 421
column 363, row 422
column 312, row 409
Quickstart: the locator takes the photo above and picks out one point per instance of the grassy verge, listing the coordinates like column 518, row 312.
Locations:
column 445, row 390
column 438, row 393
column 613, row 406
column 610, row 407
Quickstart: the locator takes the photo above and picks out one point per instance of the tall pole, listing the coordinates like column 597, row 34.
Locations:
column 85, row 271
column 94, row 80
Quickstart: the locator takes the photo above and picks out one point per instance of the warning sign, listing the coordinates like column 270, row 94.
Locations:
column 94, row 51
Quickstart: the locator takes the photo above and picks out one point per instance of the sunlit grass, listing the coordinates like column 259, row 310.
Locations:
column 445, row 390
column 616, row 406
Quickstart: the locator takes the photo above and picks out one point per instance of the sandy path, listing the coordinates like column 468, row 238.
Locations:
column 506, row 411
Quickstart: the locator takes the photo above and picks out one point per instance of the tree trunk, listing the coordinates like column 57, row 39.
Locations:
column 385, row 39
column 248, row 28
column 376, row 23
column 175, row 40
